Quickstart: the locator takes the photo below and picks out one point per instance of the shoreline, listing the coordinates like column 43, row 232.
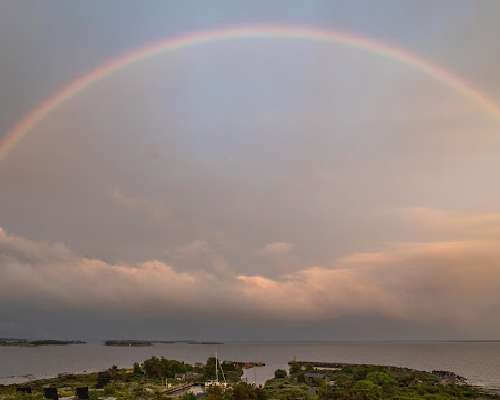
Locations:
column 301, row 378
column 482, row 368
column 31, row 378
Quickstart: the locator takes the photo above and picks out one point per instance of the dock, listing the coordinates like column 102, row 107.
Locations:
column 179, row 388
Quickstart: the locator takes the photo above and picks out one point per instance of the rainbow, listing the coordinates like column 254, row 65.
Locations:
column 26, row 125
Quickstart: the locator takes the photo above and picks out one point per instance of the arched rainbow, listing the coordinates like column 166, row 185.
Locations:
column 23, row 127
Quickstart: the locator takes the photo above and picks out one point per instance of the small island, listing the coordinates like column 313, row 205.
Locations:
column 128, row 343
column 34, row 343
column 137, row 343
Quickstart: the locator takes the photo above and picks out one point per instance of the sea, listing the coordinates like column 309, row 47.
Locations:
column 479, row 362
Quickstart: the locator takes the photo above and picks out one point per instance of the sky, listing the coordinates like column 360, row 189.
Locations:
column 253, row 188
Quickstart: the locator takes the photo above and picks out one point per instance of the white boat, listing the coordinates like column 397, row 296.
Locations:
column 216, row 382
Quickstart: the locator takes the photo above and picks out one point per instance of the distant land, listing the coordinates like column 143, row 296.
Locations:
column 116, row 342
column 33, row 343
column 132, row 343
column 146, row 343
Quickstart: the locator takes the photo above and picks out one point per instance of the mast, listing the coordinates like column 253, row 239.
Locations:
column 223, row 376
column 216, row 369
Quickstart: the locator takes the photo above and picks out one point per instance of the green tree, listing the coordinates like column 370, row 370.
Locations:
column 161, row 368
column 360, row 373
column 295, row 367
column 109, row 390
column 260, row 394
column 323, row 390
column 152, row 367
column 243, row 391
column 366, row 390
column 209, row 371
column 381, row 378
column 215, row 393
column 385, row 381
column 137, row 369
column 280, row 374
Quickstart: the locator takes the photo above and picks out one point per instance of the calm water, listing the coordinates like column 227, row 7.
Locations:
column 477, row 361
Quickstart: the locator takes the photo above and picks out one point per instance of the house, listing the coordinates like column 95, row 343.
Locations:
column 314, row 375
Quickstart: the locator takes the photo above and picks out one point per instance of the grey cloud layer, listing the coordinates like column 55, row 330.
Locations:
column 451, row 282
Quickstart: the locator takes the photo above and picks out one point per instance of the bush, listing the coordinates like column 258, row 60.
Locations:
column 188, row 396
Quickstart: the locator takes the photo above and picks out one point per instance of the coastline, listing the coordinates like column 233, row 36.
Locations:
column 302, row 379
column 481, row 365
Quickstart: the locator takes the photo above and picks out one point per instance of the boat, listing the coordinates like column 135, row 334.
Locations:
column 216, row 383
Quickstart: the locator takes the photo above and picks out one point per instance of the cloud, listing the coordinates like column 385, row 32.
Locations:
column 277, row 248
column 443, row 282
column 455, row 283
column 39, row 275
column 140, row 204
column 446, row 221
column 193, row 249
column 276, row 259
column 199, row 255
